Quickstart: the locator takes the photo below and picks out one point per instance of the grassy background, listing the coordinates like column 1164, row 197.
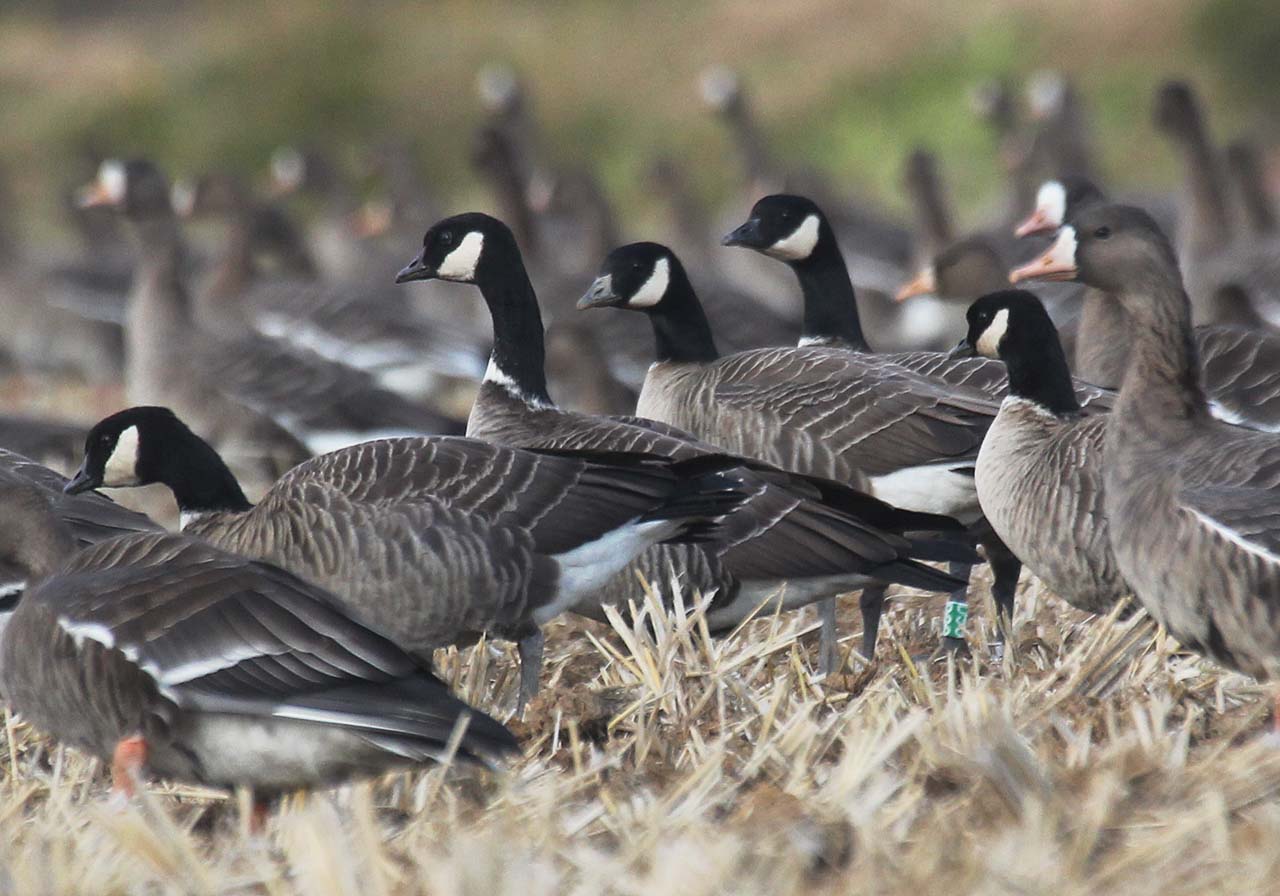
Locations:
column 846, row 84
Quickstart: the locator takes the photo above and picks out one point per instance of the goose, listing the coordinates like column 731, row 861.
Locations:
column 1039, row 473
column 430, row 541
column 1240, row 362
column 1245, row 171
column 923, row 186
column 817, row 411
column 377, row 331
column 1191, row 500
column 814, row 537
column 162, row 654
column 248, row 393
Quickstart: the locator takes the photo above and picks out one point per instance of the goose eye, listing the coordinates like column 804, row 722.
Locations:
column 446, row 238
column 1102, row 232
column 635, row 266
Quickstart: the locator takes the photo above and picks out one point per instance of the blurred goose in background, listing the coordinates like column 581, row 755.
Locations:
column 308, row 173
column 1252, row 195
column 260, row 401
column 1039, row 473
column 161, row 654
column 1213, row 249
column 1240, row 361
column 804, row 539
column 816, row 411
column 373, row 328
column 933, row 227
column 1191, row 501
column 430, row 542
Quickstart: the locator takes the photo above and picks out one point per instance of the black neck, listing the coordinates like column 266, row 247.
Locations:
column 518, row 349
column 681, row 331
column 830, row 306
column 1038, row 370
column 198, row 477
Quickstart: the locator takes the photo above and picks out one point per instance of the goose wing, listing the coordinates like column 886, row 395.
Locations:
column 219, row 633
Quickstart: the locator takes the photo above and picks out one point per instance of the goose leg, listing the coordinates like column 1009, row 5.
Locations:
column 530, row 649
column 828, row 650
column 1005, row 569
column 127, row 762
column 871, row 602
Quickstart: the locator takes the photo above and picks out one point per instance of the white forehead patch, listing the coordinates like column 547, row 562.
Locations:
column 800, row 244
column 288, row 167
column 121, row 468
column 1051, row 202
column 460, row 264
column 112, row 179
column 1063, row 250
column 989, row 342
column 652, row 290
column 182, row 196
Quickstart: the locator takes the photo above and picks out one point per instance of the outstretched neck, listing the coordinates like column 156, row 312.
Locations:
column 200, row 480
column 1042, row 376
column 1163, row 376
column 681, row 331
column 518, row 360
column 830, row 305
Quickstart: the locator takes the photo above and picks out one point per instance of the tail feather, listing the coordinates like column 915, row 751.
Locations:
column 918, row 575
column 700, row 502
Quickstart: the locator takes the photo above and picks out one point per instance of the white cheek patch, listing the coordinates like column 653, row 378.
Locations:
column 1051, row 203
column 989, row 342
column 460, row 264
column 800, row 244
column 112, row 179
column 652, row 290
column 121, row 468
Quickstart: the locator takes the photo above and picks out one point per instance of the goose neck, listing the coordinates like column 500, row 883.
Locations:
column 518, row 359
column 830, row 304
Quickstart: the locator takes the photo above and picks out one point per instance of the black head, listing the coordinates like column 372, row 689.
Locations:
column 461, row 248
column 135, row 188
column 781, row 226
column 637, row 276
column 1004, row 322
column 1177, row 110
column 126, row 449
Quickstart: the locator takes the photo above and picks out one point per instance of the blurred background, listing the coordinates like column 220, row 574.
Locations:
column 845, row 86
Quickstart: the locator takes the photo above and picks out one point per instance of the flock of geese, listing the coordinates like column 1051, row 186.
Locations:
column 1117, row 430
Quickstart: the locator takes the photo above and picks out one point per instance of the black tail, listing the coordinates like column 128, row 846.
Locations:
column 704, row 492
column 918, row 575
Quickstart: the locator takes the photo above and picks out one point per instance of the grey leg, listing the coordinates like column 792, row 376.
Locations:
column 530, row 649
column 828, row 652
column 871, row 602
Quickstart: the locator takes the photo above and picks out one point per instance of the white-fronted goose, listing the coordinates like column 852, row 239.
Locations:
column 163, row 654
column 1240, row 362
column 814, row 538
column 1191, row 501
column 428, row 541
column 1039, row 472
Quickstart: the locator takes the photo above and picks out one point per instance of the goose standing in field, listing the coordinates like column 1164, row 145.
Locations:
column 1039, row 473
column 160, row 653
column 1191, row 501
column 814, row 410
column 1240, row 362
column 806, row 539
column 429, row 541
column 253, row 396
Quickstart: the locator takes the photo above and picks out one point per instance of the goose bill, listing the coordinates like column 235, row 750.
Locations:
column 600, row 295
column 94, row 195
column 1058, row 263
column 417, row 269
column 748, row 235
column 1037, row 222
column 922, row 284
